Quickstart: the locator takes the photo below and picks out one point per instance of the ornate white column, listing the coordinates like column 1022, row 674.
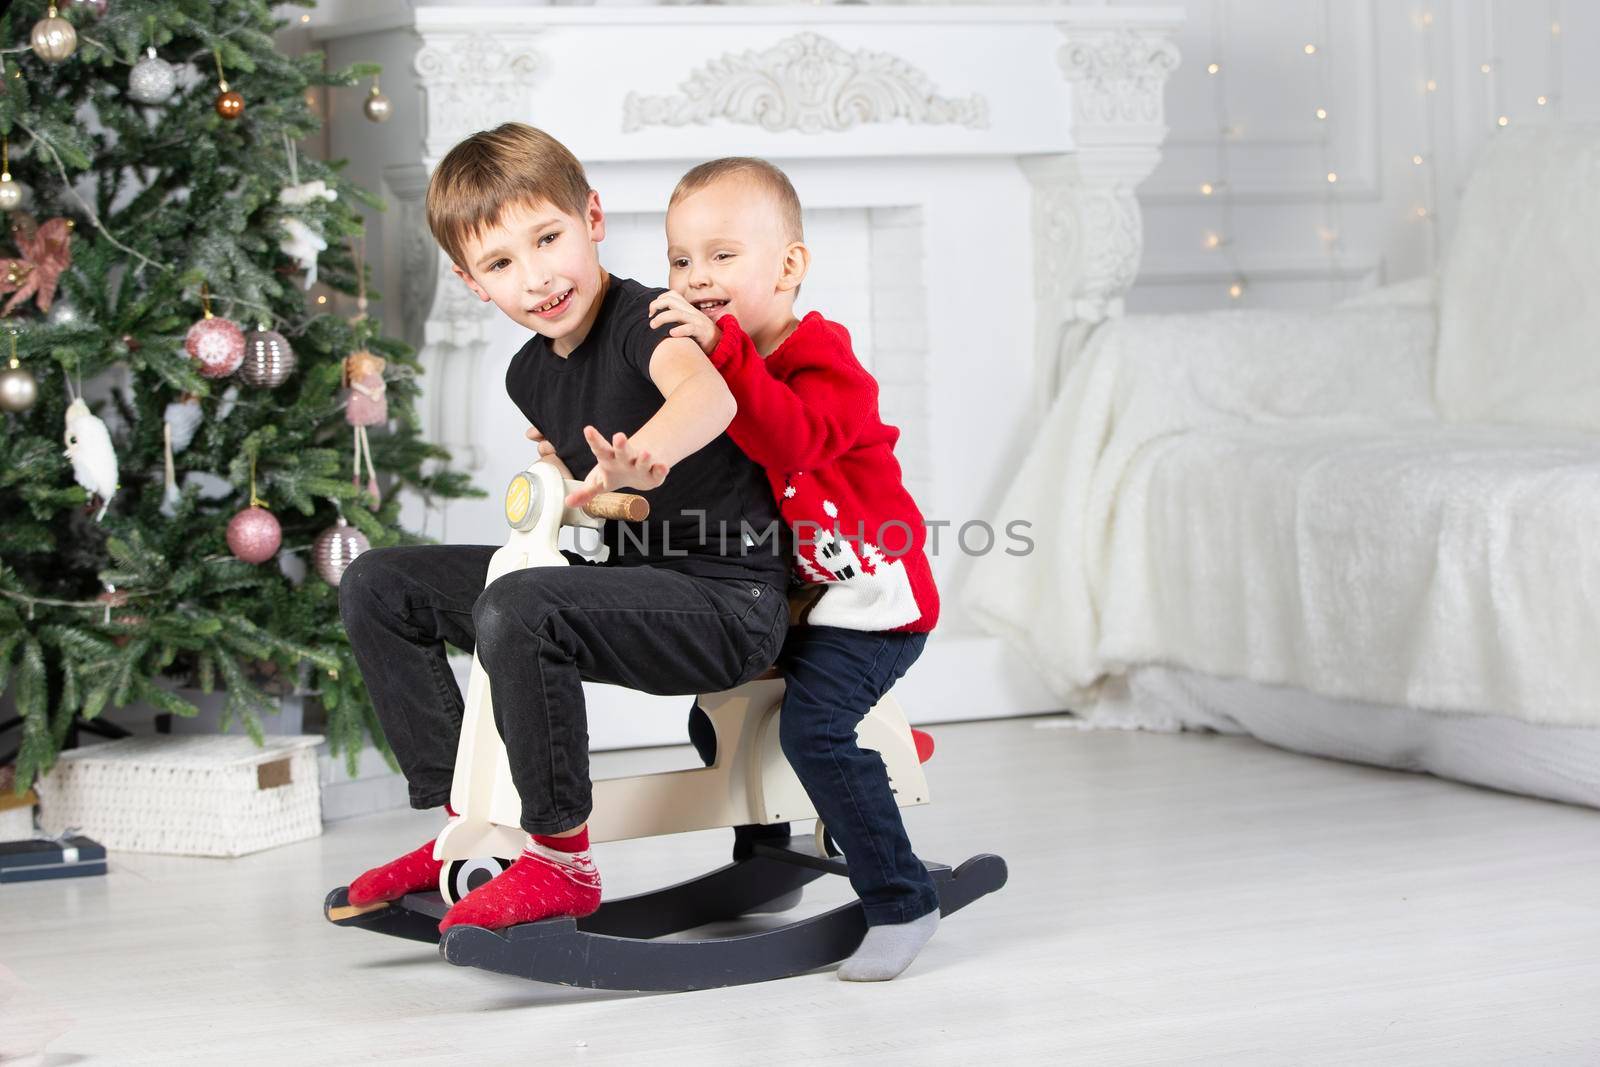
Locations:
column 1088, row 230
column 470, row 81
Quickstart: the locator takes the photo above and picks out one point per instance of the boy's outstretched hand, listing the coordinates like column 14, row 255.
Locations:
column 692, row 322
column 619, row 464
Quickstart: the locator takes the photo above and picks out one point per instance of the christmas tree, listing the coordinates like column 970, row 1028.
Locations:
column 161, row 234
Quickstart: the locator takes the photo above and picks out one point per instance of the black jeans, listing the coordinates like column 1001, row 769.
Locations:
column 539, row 633
column 833, row 677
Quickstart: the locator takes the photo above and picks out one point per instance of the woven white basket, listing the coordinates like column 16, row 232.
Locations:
column 193, row 796
column 16, row 824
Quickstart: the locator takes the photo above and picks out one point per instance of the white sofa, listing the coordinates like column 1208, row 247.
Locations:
column 1370, row 532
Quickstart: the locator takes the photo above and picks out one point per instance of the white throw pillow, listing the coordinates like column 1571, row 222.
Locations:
column 1519, row 294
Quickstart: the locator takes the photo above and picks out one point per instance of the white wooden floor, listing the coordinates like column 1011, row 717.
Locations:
column 1172, row 898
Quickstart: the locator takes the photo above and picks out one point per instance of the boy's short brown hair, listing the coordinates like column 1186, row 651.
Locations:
column 769, row 178
column 480, row 177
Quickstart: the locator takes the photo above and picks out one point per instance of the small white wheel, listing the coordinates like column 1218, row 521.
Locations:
column 826, row 846
column 460, row 877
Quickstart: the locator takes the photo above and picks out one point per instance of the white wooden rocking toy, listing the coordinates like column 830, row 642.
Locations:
column 624, row 944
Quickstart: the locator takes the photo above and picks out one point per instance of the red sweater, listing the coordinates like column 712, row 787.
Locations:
column 808, row 413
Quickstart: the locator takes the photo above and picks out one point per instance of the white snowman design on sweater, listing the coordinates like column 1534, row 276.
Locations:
column 866, row 591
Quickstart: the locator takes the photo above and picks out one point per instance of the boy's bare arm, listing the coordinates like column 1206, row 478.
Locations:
column 697, row 408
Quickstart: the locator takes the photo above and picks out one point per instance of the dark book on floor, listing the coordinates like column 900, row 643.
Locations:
column 36, row 860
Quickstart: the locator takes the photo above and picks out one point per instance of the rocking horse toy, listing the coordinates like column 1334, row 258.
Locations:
column 624, row 945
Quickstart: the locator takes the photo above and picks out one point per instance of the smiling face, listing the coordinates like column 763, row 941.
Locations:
column 728, row 254
column 540, row 266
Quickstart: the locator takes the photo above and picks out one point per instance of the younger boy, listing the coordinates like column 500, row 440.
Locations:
column 808, row 413
column 672, row 611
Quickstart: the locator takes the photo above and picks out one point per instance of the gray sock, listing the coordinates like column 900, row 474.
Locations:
column 888, row 950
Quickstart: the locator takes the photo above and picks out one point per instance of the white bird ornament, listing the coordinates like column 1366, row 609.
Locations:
column 94, row 461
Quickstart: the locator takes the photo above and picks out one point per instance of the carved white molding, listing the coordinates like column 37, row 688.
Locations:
column 470, row 81
column 1117, row 77
column 807, row 83
column 473, row 81
column 1088, row 228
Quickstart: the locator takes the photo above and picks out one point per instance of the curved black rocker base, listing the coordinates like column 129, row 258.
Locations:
column 617, row 948
column 559, row 951
column 717, row 896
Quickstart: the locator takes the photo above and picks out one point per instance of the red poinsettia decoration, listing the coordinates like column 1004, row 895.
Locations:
column 46, row 252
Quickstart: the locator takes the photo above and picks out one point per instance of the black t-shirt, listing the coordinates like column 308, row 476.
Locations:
column 605, row 383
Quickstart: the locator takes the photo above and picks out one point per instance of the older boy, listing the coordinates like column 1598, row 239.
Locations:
column 674, row 609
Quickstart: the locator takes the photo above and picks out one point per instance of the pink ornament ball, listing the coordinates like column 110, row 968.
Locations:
column 218, row 346
column 254, row 535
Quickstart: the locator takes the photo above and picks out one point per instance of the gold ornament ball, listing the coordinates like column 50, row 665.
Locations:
column 377, row 107
column 230, row 105
column 10, row 194
column 53, row 38
column 18, row 389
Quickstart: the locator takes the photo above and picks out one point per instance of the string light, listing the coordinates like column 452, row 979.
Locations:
column 1332, row 210
column 1422, row 160
column 1219, row 237
column 1491, row 69
column 1557, row 74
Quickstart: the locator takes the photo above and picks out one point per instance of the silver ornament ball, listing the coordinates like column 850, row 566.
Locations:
column 334, row 549
column 18, row 389
column 53, row 38
column 62, row 313
column 268, row 359
column 10, row 194
column 152, row 80
column 377, row 107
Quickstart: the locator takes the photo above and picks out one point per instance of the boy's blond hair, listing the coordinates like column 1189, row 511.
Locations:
column 771, row 180
column 494, row 169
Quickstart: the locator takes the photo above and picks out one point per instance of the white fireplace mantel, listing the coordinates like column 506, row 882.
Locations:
column 968, row 173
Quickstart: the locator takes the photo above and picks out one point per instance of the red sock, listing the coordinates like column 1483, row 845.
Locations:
column 415, row 872
column 554, row 876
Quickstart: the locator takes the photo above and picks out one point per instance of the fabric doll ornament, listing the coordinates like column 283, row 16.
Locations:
column 366, row 405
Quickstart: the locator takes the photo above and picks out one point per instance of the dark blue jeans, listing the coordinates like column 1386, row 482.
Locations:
column 833, row 678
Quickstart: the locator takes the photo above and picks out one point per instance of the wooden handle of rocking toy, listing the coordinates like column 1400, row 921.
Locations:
column 628, row 507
